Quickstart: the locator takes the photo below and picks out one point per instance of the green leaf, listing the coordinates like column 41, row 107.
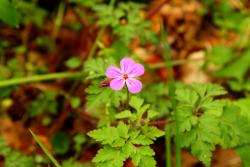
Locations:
column 237, row 69
column 124, row 114
column 159, row 102
column 141, row 154
column 79, row 140
column 21, row 49
column 187, row 96
column 213, row 106
column 75, row 102
column 73, row 62
column 187, row 122
column 114, row 157
column 60, row 143
column 45, row 102
column 95, row 68
column 136, row 102
column 148, row 162
column 152, row 132
column 220, row 55
column 97, row 96
column 141, row 111
column 105, row 135
column 115, row 137
column 14, row 158
column 72, row 163
column 215, row 90
column 30, row 12
column 243, row 151
column 151, row 114
column 123, row 130
column 128, row 149
column 8, row 13
column 203, row 151
column 230, row 130
column 206, row 138
column 244, row 104
column 87, row 3
column 145, row 150
column 142, row 139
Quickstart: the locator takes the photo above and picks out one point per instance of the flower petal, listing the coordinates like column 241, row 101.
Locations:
column 113, row 72
column 117, row 83
column 134, row 85
column 136, row 70
column 126, row 64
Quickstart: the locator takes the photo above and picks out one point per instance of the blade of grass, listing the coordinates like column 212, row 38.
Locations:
column 171, row 83
column 59, row 19
column 46, row 151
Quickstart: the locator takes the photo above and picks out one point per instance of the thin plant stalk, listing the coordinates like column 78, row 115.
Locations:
column 100, row 34
column 95, row 45
column 171, row 82
column 38, row 78
column 175, row 63
column 59, row 19
column 46, row 151
column 168, row 145
column 128, row 97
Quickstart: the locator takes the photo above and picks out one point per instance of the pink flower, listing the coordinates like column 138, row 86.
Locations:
column 126, row 75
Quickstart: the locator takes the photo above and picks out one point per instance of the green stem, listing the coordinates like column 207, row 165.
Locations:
column 94, row 47
column 174, row 63
column 177, row 139
column 112, row 3
column 128, row 98
column 167, row 59
column 36, row 78
column 168, row 145
column 46, row 151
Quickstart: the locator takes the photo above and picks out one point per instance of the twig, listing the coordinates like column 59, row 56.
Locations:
column 154, row 10
column 60, row 121
column 161, row 122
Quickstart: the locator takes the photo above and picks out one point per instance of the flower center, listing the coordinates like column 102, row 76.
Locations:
column 125, row 76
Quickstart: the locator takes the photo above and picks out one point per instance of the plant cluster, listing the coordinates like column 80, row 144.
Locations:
column 130, row 112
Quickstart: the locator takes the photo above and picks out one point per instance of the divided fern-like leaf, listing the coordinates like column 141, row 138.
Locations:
column 198, row 116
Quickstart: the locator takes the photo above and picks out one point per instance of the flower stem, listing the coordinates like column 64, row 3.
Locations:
column 36, row 78
column 128, row 97
column 171, row 82
column 168, row 145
